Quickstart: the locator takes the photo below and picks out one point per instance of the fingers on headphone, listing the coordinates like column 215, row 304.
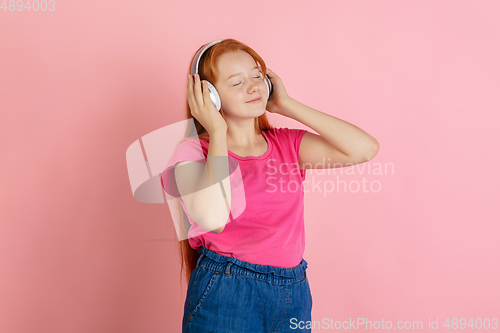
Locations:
column 197, row 89
column 191, row 96
column 194, row 93
column 191, row 91
column 206, row 92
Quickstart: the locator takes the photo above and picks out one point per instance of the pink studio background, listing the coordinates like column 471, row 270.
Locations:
column 80, row 84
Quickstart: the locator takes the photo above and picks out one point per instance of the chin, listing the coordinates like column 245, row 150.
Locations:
column 261, row 112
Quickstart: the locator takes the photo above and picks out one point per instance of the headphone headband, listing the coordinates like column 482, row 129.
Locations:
column 197, row 57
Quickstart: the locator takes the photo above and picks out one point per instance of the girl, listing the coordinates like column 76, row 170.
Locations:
column 245, row 271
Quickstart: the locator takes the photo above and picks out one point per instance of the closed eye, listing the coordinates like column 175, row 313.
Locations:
column 256, row 77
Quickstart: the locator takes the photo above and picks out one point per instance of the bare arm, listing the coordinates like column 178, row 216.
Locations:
column 200, row 186
column 338, row 142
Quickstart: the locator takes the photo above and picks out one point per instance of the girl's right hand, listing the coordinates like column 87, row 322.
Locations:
column 202, row 107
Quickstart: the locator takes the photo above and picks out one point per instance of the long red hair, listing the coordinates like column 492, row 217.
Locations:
column 207, row 71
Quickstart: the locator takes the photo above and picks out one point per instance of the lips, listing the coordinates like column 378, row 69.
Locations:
column 255, row 99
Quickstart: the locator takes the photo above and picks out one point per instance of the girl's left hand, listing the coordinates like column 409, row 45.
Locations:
column 279, row 97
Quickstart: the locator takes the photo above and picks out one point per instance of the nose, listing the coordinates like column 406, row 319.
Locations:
column 254, row 86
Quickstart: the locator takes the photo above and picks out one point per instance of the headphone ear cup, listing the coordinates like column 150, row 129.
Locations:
column 214, row 96
column 269, row 86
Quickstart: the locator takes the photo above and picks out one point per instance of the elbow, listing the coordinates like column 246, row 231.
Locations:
column 373, row 151
column 217, row 228
column 213, row 225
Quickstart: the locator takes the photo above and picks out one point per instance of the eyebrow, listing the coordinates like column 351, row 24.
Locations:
column 240, row 73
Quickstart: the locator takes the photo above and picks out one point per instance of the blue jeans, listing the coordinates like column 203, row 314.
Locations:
column 230, row 295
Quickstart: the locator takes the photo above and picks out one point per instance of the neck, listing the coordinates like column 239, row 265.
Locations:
column 242, row 134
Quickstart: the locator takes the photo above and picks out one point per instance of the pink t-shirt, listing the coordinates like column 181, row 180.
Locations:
column 270, row 228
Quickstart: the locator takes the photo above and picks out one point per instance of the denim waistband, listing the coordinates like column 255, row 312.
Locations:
column 230, row 265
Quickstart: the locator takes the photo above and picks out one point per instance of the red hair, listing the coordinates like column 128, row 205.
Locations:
column 207, row 71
